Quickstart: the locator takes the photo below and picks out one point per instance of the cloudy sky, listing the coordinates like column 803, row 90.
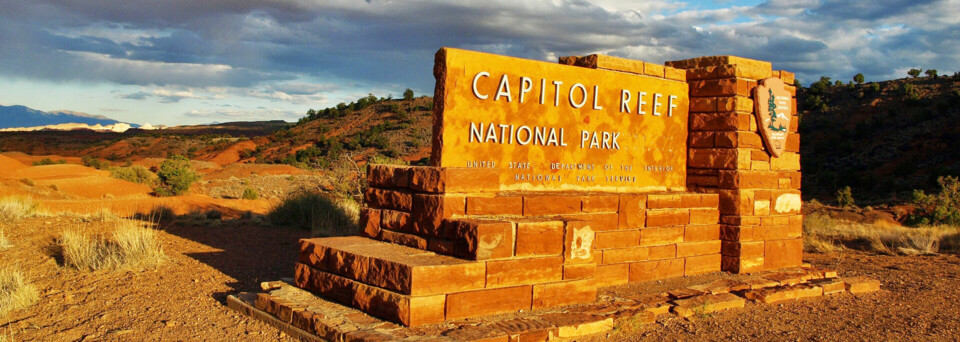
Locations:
column 200, row 61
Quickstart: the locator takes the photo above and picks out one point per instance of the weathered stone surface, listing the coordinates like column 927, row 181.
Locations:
column 667, row 217
column 578, row 241
column 663, row 252
column 701, row 233
column 488, row 302
column 783, row 253
column 392, row 306
column 369, row 222
column 623, row 255
column 483, row 239
column 431, row 210
column 632, row 211
column 462, row 111
column 574, row 325
column 409, row 240
column 717, row 61
column 861, row 284
column 539, row 238
column 686, row 249
column 617, row 239
column 706, row 304
column 721, row 286
column 497, row 205
column 388, row 176
column 653, row 270
column 600, row 203
column 760, row 282
column 551, row 205
column 477, row 333
column 579, row 271
column 609, row 63
column 784, row 293
column 610, row 275
column 786, row 278
column 831, row 286
column 564, row 293
column 661, row 236
column 702, row 264
column 512, row 272
column 404, row 270
column 388, row 199
column 398, row 221
column 684, row 293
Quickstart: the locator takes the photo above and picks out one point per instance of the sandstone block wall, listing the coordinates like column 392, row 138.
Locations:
column 761, row 224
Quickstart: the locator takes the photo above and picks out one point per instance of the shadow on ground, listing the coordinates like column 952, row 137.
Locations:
column 249, row 253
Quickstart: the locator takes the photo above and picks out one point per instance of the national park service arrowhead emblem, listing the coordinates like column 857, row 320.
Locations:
column 774, row 112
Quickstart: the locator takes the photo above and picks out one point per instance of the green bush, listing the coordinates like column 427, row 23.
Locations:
column 95, row 163
column 858, row 78
column 47, row 161
column 321, row 214
column 136, row 174
column 845, row 197
column 941, row 208
column 408, row 94
column 250, row 194
column 176, row 175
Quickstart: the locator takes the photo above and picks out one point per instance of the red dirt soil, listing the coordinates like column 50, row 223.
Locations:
column 184, row 298
column 247, row 170
column 9, row 166
column 232, row 154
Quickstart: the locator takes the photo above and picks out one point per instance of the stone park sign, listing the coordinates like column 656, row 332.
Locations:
column 549, row 181
column 553, row 127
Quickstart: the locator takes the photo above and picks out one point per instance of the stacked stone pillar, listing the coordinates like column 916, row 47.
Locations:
column 761, row 223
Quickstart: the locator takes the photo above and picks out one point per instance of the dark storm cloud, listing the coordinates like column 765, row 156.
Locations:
column 242, row 43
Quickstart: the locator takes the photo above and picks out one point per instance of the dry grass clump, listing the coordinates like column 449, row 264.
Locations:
column 15, row 291
column 101, row 215
column 15, row 208
column 322, row 214
column 824, row 234
column 4, row 242
column 131, row 246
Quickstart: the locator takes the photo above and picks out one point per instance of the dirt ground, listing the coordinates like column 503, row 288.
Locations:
column 184, row 298
column 918, row 301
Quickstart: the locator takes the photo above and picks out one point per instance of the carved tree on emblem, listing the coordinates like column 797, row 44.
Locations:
column 772, row 107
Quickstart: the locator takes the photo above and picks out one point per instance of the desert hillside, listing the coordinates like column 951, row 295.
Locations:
column 883, row 139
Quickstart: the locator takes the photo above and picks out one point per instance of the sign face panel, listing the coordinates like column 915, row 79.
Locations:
column 553, row 127
column 774, row 111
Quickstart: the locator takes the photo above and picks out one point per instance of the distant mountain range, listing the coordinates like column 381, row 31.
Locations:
column 20, row 116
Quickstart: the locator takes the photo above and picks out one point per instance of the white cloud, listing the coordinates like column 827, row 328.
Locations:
column 262, row 50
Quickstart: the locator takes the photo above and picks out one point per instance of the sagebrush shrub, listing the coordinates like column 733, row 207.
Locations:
column 136, row 174
column 940, row 208
column 845, row 197
column 250, row 194
column 175, row 176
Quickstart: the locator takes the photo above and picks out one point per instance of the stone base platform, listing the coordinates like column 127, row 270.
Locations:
column 306, row 317
column 415, row 287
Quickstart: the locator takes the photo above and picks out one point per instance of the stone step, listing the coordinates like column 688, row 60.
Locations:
column 388, row 305
column 413, row 287
column 401, row 269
